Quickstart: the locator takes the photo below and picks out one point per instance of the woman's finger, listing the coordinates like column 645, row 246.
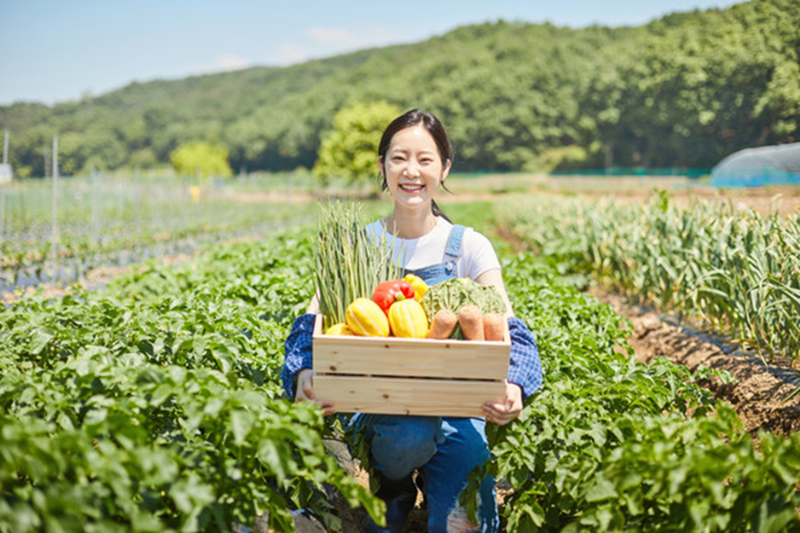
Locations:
column 495, row 415
column 305, row 386
column 327, row 407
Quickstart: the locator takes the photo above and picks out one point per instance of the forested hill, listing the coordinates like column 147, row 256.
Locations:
column 681, row 91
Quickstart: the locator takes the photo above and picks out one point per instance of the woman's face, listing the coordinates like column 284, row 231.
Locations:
column 412, row 167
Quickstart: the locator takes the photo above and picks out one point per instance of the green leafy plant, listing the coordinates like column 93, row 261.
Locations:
column 736, row 271
column 202, row 159
column 155, row 405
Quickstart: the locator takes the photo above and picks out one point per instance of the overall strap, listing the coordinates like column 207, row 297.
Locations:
column 453, row 249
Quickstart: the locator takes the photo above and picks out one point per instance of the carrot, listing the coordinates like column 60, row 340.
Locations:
column 471, row 321
column 442, row 325
column 494, row 327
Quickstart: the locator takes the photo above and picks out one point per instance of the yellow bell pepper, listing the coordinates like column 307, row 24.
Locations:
column 366, row 318
column 339, row 329
column 420, row 287
column 408, row 319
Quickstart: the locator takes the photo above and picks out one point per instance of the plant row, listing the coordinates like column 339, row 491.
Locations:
column 611, row 444
column 72, row 263
column 98, row 216
column 124, row 222
column 155, row 405
column 732, row 269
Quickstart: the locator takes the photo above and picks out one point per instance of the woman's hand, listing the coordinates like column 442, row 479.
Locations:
column 503, row 412
column 305, row 392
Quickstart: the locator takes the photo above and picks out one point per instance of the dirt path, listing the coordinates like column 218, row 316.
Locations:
column 759, row 391
column 783, row 200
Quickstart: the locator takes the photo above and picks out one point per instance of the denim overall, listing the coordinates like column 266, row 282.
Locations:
column 444, row 449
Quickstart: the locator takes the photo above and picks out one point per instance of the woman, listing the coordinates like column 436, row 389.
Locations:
column 414, row 158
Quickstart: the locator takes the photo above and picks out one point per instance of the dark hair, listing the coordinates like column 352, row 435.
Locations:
column 434, row 126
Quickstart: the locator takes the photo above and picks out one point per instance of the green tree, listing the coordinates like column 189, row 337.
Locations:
column 201, row 158
column 684, row 90
column 350, row 149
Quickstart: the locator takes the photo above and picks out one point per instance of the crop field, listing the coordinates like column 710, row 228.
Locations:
column 58, row 233
column 737, row 271
column 154, row 404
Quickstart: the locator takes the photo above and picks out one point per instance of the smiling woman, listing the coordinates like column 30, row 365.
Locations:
column 415, row 156
column 412, row 171
column 414, row 159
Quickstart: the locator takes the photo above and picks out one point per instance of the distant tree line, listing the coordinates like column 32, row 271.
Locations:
column 681, row 91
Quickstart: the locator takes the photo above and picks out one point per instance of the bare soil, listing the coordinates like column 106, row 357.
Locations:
column 761, row 390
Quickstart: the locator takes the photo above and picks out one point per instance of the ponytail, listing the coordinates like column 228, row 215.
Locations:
column 438, row 212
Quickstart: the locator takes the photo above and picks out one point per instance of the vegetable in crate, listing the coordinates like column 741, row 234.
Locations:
column 339, row 329
column 389, row 292
column 470, row 320
column 454, row 294
column 420, row 287
column 494, row 327
column 442, row 325
column 348, row 263
column 367, row 319
column 407, row 319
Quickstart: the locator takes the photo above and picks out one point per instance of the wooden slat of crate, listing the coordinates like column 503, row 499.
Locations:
column 411, row 357
column 408, row 376
column 400, row 396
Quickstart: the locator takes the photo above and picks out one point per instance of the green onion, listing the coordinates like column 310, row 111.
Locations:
column 719, row 266
column 349, row 264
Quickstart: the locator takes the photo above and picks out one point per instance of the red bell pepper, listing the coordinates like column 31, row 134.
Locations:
column 389, row 292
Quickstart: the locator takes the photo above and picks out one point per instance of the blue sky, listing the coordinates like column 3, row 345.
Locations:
column 53, row 51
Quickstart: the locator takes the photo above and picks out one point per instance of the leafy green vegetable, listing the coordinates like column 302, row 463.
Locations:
column 155, row 404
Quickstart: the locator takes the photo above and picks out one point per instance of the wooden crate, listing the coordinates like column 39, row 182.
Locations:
column 392, row 375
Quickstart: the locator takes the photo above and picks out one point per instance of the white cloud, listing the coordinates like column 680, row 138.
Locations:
column 223, row 63
column 335, row 36
column 289, row 53
column 377, row 35
column 327, row 41
column 364, row 37
column 229, row 62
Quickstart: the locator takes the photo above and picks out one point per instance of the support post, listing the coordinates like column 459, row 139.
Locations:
column 2, row 212
column 138, row 175
column 96, row 184
column 54, row 210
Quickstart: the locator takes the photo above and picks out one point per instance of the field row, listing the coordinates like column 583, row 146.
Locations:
column 58, row 236
column 40, row 219
column 735, row 271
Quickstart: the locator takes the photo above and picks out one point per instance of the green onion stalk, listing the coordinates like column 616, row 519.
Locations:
column 349, row 262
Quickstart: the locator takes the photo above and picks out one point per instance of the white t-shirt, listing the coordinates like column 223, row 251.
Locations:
column 477, row 254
